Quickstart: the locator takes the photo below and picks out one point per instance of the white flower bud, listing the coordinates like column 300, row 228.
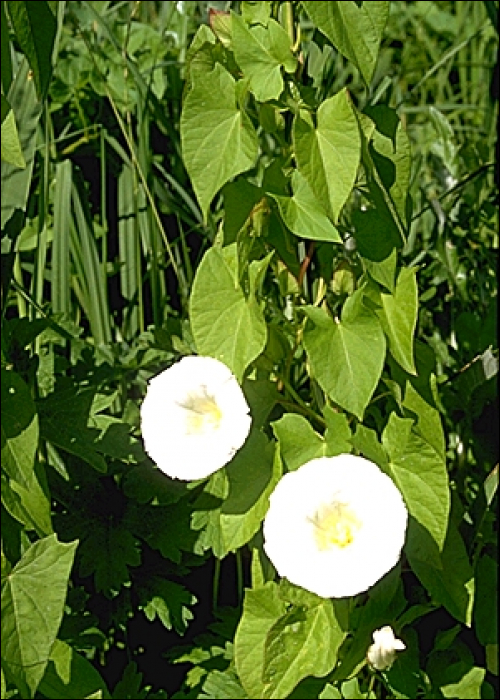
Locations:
column 382, row 653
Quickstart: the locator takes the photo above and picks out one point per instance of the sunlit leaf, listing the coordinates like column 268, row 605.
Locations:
column 33, row 597
column 218, row 139
column 328, row 154
column 354, row 28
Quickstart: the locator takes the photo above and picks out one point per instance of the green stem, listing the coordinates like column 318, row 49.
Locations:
column 215, row 594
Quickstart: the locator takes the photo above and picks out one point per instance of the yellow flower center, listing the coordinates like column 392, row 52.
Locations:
column 335, row 525
column 203, row 413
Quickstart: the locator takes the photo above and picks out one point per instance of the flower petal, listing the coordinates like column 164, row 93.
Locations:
column 354, row 486
column 194, row 418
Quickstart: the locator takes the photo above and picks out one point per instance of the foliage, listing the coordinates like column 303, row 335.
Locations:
column 305, row 191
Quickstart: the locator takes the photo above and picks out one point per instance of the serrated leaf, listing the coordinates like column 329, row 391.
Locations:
column 70, row 675
column 169, row 601
column 223, row 685
column 355, row 29
column 304, row 215
column 107, row 552
column 261, row 52
column 302, row 642
column 328, row 154
column 226, row 325
column 338, row 357
column 33, row 597
column 421, row 476
column 398, row 316
column 262, row 608
column 35, row 27
column 11, row 147
column 218, row 140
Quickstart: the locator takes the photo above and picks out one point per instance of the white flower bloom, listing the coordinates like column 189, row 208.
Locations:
column 335, row 526
column 194, row 418
column 382, row 652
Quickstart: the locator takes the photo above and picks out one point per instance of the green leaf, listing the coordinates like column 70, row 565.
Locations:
column 338, row 357
column 260, row 53
column 390, row 152
column 222, row 685
column 70, row 675
column 456, row 592
column 398, row 317
column 328, row 154
column 261, row 395
column 262, row 608
column 469, row 685
column 169, row 601
column 118, row 549
column 19, row 428
column 299, row 443
column 354, row 28
column 218, row 139
column 302, row 642
column 420, row 397
column 63, row 422
column 15, row 181
column 35, row 27
column 6, row 59
column 226, row 325
column 421, row 476
column 11, row 147
column 235, row 509
column 33, row 597
column 304, row 215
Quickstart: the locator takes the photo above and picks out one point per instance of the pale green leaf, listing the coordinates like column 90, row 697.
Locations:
column 218, row 139
column 355, row 29
column 398, row 317
column 338, row 356
column 421, row 476
column 298, row 442
column 304, row 215
column 33, row 597
column 328, row 154
column 11, row 147
column 70, row 675
column 303, row 642
column 468, row 687
column 223, row 686
column 225, row 324
column 262, row 608
column 260, row 53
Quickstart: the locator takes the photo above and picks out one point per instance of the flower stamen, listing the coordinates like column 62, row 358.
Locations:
column 336, row 525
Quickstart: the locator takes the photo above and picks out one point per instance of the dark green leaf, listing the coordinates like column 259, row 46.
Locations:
column 35, row 27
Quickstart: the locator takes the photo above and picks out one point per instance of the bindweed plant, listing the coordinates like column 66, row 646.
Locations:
column 248, row 350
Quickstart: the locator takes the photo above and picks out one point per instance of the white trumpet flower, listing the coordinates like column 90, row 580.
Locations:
column 194, row 418
column 335, row 526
